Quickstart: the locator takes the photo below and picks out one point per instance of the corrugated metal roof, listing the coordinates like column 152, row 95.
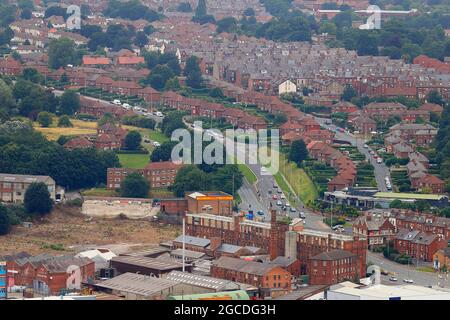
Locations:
column 137, row 284
column 195, row 241
column 145, row 262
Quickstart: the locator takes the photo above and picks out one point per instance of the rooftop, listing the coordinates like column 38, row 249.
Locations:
column 137, row 284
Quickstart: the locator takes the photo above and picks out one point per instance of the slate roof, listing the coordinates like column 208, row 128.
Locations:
column 250, row 267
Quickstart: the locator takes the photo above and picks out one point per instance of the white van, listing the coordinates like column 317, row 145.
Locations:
column 159, row 114
column 126, row 106
column 117, row 102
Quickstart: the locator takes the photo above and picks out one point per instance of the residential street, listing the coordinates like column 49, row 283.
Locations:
column 380, row 170
column 405, row 272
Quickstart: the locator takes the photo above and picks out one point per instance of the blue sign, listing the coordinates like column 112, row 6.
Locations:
column 3, row 280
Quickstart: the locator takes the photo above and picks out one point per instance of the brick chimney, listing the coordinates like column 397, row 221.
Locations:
column 216, row 242
column 273, row 245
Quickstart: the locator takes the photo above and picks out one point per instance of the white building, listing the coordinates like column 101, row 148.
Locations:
column 287, row 87
column 351, row 291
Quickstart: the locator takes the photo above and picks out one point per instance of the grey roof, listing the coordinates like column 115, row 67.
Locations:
column 202, row 281
column 283, row 261
column 147, row 252
column 405, row 234
column 333, row 255
column 195, row 241
column 187, row 253
column 250, row 267
column 417, row 156
column 15, row 256
column 23, row 178
column 151, row 263
column 229, row 248
column 416, row 236
column 61, row 265
column 137, row 284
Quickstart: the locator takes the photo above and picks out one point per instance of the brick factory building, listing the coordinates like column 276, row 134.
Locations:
column 274, row 236
column 333, row 267
column 271, row 278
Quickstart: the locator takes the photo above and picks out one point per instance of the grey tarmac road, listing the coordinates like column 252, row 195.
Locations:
column 157, row 119
column 404, row 271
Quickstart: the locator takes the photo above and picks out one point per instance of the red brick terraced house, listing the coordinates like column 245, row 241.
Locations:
column 419, row 245
column 384, row 110
column 333, row 267
column 429, row 181
column 378, row 230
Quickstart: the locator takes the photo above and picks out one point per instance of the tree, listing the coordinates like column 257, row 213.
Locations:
column 133, row 140
column 200, row 11
column 367, row 45
column 435, row 97
column 62, row 52
column 172, row 84
column 6, row 97
column 64, row 122
column 190, row 178
column 193, row 73
column 26, row 14
column 107, row 118
column 249, row 12
column 141, row 39
column 216, row 93
column 32, row 75
column 37, row 199
column 298, row 152
column 5, row 223
column 349, row 93
column 173, row 120
column 134, row 186
column 201, row 16
column 159, row 76
column 163, row 152
column 228, row 24
column 70, row 102
column 45, row 119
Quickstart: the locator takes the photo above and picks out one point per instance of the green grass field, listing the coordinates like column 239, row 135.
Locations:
column 157, row 136
column 297, row 178
column 134, row 161
column 99, row 192
column 160, row 193
column 248, row 173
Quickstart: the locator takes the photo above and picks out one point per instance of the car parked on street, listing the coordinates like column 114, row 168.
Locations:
column 408, row 280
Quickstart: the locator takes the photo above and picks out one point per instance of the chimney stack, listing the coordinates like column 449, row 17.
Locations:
column 273, row 245
column 215, row 243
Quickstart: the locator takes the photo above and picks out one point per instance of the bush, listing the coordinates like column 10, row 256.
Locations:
column 5, row 223
column 45, row 119
column 64, row 122
column 85, row 116
column 37, row 199
column 78, row 202
column 16, row 213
